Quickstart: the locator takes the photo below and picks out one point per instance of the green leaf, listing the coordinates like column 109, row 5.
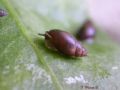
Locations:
column 25, row 62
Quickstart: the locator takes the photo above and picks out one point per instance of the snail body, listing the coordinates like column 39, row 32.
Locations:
column 65, row 43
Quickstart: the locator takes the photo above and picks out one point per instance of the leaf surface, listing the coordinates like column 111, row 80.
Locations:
column 25, row 62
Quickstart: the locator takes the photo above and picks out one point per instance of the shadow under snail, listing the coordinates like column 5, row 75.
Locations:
column 64, row 43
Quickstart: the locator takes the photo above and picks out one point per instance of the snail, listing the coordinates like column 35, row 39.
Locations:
column 87, row 32
column 64, row 42
column 2, row 13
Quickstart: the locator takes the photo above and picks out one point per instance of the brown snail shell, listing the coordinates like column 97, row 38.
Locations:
column 64, row 42
column 2, row 13
column 87, row 32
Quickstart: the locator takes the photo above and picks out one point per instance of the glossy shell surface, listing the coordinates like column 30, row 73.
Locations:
column 65, row 43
